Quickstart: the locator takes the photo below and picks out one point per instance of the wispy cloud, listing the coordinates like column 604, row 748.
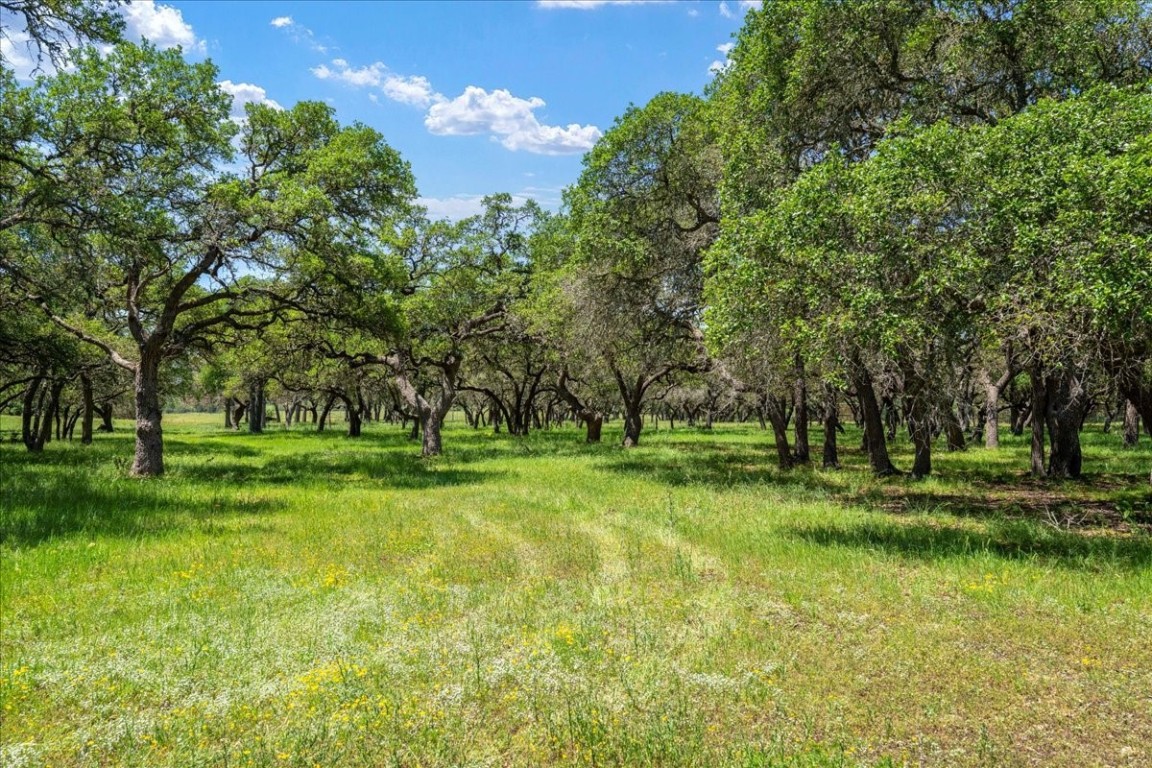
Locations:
column 298, row 33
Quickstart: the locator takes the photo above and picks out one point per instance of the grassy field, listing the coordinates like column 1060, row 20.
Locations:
column 296, row 599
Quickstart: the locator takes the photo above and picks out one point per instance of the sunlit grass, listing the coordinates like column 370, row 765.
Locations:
column 302, row 599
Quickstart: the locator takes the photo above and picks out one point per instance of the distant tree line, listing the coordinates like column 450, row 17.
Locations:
column 935, row 215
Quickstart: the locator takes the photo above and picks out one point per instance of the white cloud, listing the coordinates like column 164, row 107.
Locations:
column 282, row 21
column 17, row 52
column 371, row 75
column 161, row 25
column 509, row 119
column 588, row 5
column 414, row 90
column 245, row 93
column 749, row 4
column 719, row 66
column 406, row 89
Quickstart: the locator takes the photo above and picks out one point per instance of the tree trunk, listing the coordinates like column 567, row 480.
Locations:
column 920, row 428
column 991, row 412
column 872, row 420
column 149, row 458
column 106, row 418
column 633, row 423
column 1039, row 400
column 29, row 429
column 593, row 422
column 831, row 424
column 1067, row 401
column 256, row 408
column 51, row 412
column 1131, row 424
column 777, row 417
column 89, row 410
column 430, row 424
column 228, row 413
column 800, row 406
column 953, row 431
column 355, row 420
column 322, row 421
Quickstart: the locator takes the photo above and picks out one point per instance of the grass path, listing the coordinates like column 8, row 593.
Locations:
column 296, row 599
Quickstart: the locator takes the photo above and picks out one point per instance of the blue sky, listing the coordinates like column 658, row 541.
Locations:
column 479, row 97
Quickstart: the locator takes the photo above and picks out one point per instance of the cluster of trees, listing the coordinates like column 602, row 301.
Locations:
column 928, row 211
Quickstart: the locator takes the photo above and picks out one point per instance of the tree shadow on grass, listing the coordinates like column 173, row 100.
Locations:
column 377, row 468
column 1010, row 540
column 720, row 466
column 50, row 504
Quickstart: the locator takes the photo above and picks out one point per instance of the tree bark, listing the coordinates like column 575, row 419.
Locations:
column 777, row 417
column 1131, row 424
column 1067, row 401
column 106, row 418
column 256, row 408
column 953, row 431
column 149, row 456
column 593, row 423
column 920, row 429
column 430, row 425
column 633, row 422
column 322, row 421
column 89, row 410
column 355, row 420
column 29, row 429
column 800, row 407
column 1036, row 418
column 991, row 411
column 872, row 419
column 831, row 423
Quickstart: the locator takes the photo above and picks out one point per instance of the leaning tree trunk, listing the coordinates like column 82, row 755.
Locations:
column 149, row 457
column 30, row 429
column 873, row 421
column 777, row 416
column 89, row 410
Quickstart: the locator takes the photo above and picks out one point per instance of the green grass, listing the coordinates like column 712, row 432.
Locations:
column 296, row 599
